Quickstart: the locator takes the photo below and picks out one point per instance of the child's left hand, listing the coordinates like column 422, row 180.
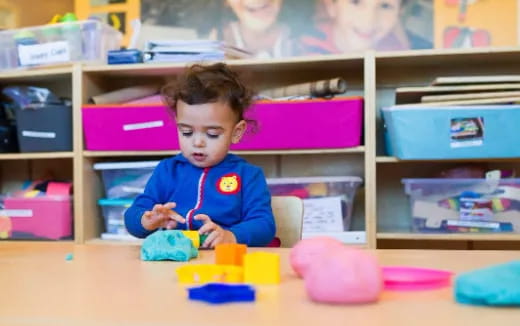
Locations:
column 216, row 235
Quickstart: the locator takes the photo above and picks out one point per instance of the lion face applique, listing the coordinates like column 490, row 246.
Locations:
column 229, row 184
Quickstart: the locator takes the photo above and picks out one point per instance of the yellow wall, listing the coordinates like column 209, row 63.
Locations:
column 27, row 14
column 497, row 17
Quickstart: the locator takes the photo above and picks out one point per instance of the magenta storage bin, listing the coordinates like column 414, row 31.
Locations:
column 48, row 217
column 304, row 124
column 299, row 124
column 123, row 127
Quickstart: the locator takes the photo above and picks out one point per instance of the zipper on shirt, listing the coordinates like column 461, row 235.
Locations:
column 200, row 197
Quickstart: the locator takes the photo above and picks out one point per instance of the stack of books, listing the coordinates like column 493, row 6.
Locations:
column 462, row 90
column 191, row 50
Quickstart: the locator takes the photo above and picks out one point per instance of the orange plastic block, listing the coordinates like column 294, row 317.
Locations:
column 206, row 273
column 230, row 254
column 262, row 268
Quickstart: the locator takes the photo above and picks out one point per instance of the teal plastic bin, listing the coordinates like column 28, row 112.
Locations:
column 452, row 132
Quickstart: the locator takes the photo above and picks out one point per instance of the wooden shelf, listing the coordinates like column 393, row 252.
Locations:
column 359, row 149
column 369, row 74
column 128, row 153
column 347, row 237
column 36, row 74
column 161, row 69
column 35, row 156
column 391, row 159
column 451, row 236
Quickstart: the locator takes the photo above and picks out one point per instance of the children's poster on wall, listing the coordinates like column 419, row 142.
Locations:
column 281, row 28
column 475, row 23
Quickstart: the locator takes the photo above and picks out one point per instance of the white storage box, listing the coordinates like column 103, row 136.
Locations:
column 86, row 41
column 328, row 201
column 125, row 179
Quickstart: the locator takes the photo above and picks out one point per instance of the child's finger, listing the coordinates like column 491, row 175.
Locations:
column 148, row 214
column 207, row 228
column 202, row 217
column 176, row 217
column 212, row 239
column 170, row 225
column 169, row 205
column 157, row 208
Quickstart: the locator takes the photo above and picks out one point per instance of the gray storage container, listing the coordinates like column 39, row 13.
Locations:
column 45, row 129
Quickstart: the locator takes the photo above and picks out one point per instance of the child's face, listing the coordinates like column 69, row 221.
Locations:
column 206, row 131
column 257, row 15
column 364, row 22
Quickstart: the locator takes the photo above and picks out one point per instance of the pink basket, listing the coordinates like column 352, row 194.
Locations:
column 126, row 128
column 304, row 124
column 40, row 217
column 301, row 124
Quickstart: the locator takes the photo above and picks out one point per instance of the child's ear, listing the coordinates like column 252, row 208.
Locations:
column 238, row 131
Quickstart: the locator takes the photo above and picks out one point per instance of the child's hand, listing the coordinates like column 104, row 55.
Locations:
column 161, row 216
column 216, row 233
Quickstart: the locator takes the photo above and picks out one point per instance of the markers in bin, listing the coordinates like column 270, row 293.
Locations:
column 476, row 226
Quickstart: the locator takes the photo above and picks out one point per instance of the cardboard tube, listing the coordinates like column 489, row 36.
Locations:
column 125, row 94
column 318, row 88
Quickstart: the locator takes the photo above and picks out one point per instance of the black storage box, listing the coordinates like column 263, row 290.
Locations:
column 44, row 129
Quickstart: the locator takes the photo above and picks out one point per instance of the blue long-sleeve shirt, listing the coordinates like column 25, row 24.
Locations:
column 233, row 193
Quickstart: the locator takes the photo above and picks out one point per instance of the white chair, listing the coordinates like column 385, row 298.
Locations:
column 288, row 215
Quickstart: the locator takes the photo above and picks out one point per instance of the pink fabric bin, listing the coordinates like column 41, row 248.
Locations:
column 127, row 127
column 304, row 124
column 301, row 124
column 40, row 217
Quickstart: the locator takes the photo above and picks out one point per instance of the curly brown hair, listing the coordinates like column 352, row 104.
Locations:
column 200, row 84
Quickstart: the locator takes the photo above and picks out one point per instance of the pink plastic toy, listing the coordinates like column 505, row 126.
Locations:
column 402, row 278
column 344, row 276
column 306, row 251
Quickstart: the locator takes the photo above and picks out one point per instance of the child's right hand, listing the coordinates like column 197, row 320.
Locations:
column 161, row 216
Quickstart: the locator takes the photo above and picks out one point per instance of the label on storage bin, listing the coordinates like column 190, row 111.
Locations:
column 38, row 54
column 143, row 125
column 323, row 214
column 466, row 132
column 16, row 212
column 38, row 134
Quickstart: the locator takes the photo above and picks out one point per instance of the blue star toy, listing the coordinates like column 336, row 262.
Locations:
column 221, row 293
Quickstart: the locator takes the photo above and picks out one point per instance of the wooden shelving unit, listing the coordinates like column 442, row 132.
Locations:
column 381, row 217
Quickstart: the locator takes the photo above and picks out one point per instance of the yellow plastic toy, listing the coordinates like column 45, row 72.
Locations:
column 194, row 237
column 262, row 268
column 206, row 273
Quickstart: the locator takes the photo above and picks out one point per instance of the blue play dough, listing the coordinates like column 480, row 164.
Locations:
column 497, row 285
column 168, row 245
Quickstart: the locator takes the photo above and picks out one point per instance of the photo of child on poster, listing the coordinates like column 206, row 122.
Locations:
column 283, row 28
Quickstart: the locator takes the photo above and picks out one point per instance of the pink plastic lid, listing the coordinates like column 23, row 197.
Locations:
column 404, row 278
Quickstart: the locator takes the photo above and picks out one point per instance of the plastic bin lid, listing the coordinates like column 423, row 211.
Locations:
column 125, row 165
column 115, row 202
column 457, row 180
column 405, row 278
column 274, row 181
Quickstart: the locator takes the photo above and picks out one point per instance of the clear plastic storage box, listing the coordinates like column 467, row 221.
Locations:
column 125, row 179
column 86, row 41
column 328, row 201
column 464, row 205
column 114, row 215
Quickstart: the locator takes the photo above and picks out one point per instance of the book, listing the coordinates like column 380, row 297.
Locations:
column 467, row 96
column 500, row 100
column 476, row 79
column 413, row 94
